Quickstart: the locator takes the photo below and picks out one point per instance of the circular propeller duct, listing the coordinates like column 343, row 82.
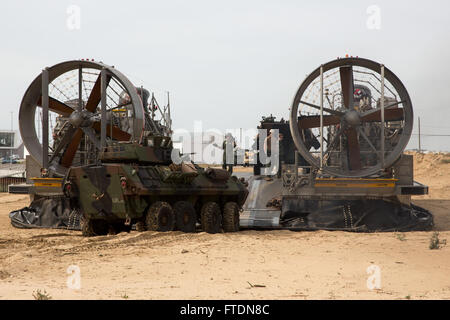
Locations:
column 366, row 117
column 74, row 120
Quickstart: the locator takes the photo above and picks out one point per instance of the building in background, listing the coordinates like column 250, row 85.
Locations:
column 11, row 144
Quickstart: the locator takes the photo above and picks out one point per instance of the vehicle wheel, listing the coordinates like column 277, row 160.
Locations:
column 211, row 217
column 185, row 216
column 160, row 217
column 91, row 228
column 140, row 226
column 87, row 229
column 230, row 217
column 118, row 227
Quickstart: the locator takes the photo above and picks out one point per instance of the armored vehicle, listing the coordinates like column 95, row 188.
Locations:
column 137, row 183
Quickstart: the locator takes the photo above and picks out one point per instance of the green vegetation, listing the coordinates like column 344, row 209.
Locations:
column 401, row 236
column 435, row 242
column 38, row 295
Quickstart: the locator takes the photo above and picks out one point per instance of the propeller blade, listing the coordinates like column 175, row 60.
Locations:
column 331, row 146
column 335, row 112
column 57, row 106
column 392, row 105
column 347, row 86
column 363, row 134
column 96, row 93
column 72, row 148
column 306, row 122
column 64, row 142
column 389, row 115
column 117, row 134
column 354, row 155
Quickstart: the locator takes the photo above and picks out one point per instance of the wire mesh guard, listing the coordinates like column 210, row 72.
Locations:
column 74, row 117
column 364, row 112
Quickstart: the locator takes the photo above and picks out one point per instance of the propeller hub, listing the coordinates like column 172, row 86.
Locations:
column 352, row 118
column 76, row 118
column 80, row 118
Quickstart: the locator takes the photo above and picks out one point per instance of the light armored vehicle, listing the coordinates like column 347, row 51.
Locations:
column 139, row 184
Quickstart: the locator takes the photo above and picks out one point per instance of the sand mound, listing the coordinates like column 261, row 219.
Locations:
column 433, row 170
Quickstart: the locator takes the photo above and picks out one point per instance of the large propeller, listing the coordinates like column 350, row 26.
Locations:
column 350, row 118
column 346, row 123
column 75, row 90
column 79, row 123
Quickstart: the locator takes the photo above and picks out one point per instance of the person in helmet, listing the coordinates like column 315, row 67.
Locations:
column 228, row 145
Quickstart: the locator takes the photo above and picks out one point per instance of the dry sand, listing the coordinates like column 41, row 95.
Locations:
column 433, row 170
column 286, row 265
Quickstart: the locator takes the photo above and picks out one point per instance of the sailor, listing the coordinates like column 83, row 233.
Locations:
column 228, row 146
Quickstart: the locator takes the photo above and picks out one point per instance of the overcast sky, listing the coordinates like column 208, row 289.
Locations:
column 228, row 63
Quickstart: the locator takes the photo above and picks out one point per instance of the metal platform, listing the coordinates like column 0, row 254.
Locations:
column 39, row 186
column 260, row 218
column 313, row 190
column 22, row 188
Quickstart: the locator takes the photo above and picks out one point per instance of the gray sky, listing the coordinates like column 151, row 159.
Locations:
column 228, row 63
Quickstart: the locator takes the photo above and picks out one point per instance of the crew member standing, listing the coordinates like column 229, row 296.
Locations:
column 228, row 145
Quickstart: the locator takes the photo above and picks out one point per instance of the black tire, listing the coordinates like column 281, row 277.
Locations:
column 211, row 217
column 87, row 229
column 92, row 228
column 160, row 217
column 118, row 227
column 140, row 226
column 185, row 216
column 230, row 221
